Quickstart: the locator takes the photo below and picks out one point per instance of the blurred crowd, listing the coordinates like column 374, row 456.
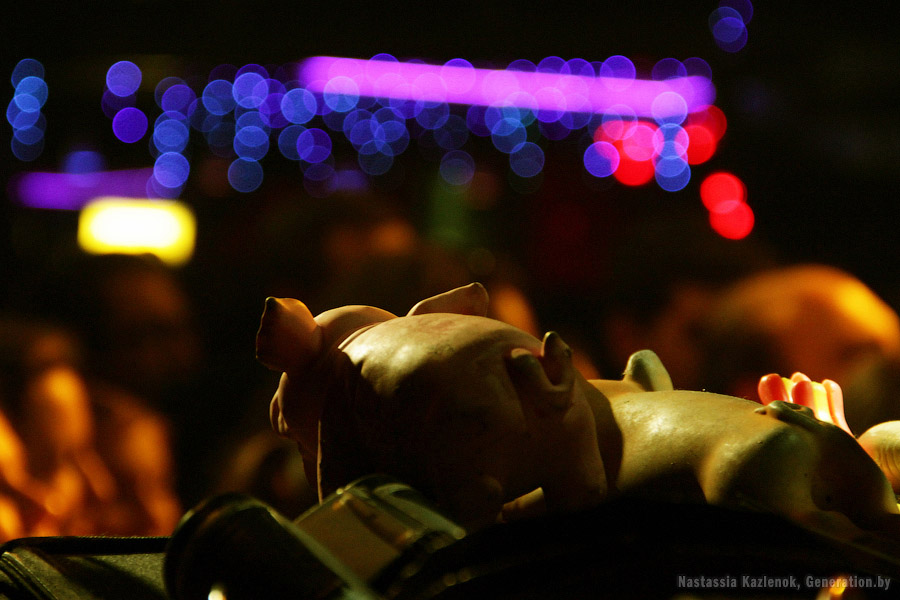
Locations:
column 129, row 389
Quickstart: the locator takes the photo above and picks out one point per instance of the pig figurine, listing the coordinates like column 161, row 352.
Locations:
column 491, row 422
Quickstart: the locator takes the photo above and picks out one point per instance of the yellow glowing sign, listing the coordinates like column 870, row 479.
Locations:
column 165, row 228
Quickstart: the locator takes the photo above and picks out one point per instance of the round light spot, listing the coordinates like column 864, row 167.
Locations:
column 507, row 134
column 676, row 181
column 287, row 141
column 123, row 78
column 130, row 124
column 702, row 144
column 527, row 160
column 722, row 187
column 669, row 167
column 601, row 159
column 433, row 116
column 27, row 67
column 170, row 135
column 163, row 85
column 218, row 97
column 669, row 107
column 634, row 172
column 299, row 106
column 171, row 169
column 341, row 94
column 314, row 145
column 457, row 167
column 732, row 220
column 26, row 152
column 618, row 72
column 245, row 91
column 245, row 175
column 31, row 94
column 251, row 142
column 375, row 163
column 178, row 98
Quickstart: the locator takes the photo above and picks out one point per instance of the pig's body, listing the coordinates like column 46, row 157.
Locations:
column 477, row 413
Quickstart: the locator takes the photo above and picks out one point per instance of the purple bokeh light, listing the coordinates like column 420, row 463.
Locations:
column 71, row 191
column 129, row 124
column 491, row 87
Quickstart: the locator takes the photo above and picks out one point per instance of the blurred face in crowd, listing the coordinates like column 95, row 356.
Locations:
column 817, row 320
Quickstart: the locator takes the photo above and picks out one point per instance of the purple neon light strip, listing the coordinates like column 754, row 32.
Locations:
column 488, row 87
column 71, row 191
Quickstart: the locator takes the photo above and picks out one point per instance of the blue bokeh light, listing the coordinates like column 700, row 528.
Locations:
column 164, row 85
column 618, row 72
column 507, row 134
column 270, row 111
column 551, row 64
column 130, row 124
column 522, row 65
column 32, row 134
column 123, row 78
column 728, row 28
column 698, row 67
column 744, row 7
column 27, row 67
column 299, row 106
column 218, row 97
column 245, row 175
column 375, row 163
column 251, row 142
column 171, row 169
column 433, row 115
column 579, row 67
column 527, row 160
column 601, row 159
column 246, row 89
column 170, row 135
column 83, row 161
column 457, row 167
column 673, row 177
column 251, row 118
column 31, row 93
column 287, row 141
column 668, row 68
column 314, row 145
column 475, row 120
column 26, row 152
column 19, row 118
column 670, row 166
column 178, row 98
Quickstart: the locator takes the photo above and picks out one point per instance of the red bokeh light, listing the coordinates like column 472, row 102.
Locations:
column 732, row 219
column 702, row 144
column 712, row 118
column 722, row 187
column 634, row 172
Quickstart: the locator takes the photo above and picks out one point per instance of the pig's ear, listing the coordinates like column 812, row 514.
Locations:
column 645, row 369
column 470, row 299
column 288, row 335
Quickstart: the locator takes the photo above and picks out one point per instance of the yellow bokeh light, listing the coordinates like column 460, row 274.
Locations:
column 166, row 228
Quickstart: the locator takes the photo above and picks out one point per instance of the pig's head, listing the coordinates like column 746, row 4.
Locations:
column 292, row 341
